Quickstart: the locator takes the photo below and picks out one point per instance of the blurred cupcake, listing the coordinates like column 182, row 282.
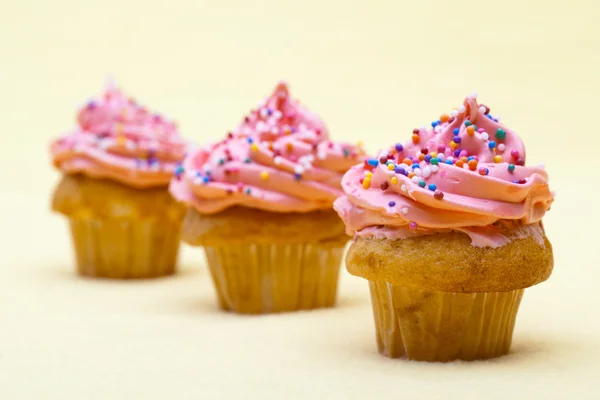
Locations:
column 448, row 232
column 260, row 202
column 117, row 165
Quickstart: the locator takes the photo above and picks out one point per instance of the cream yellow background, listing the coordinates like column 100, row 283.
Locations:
column 374, row 70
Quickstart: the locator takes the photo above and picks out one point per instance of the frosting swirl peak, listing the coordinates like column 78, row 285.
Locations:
column 467, row 172
column 118, row 139
column 279, row 159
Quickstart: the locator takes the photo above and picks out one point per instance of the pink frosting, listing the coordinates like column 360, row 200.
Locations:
column 120, row 140
column 438, row 190
column 279, row 159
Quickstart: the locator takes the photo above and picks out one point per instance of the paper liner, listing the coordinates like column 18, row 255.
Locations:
column 428, row 325
column 124, row 249
column 258, row 279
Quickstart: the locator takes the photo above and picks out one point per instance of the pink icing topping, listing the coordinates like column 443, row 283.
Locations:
column 466, row 173
column 120, row 140
column 279, row 159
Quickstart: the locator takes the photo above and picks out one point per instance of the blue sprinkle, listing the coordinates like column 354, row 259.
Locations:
column 373, row 162
column 456, row 131
column 456, row 139
column 449, row 162
column 179, row 170
column 492, row 144
column 489, row 116
column 432, row 187
column 297, row 177
column 416, row 166
column 470, row 158
column 206, row 179
column 495, row 119
column 435, row 123
column 250, row 140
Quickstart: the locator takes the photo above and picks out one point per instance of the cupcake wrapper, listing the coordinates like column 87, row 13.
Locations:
column 258, row 279
column 429, row 325
column 122, row 249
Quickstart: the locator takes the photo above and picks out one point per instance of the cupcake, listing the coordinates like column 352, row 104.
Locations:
column 116, row 165
column 260, row 203
column 447, row 230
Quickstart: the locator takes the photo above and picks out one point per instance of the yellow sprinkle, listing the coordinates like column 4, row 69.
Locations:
column 366, row 183
column 369, row 174
column 497, row 159
column 121, row 140
column 433, row 154
column 453, row 145
column 254, row 147
column 264, row 175
column 391, row 166
column 394, row 180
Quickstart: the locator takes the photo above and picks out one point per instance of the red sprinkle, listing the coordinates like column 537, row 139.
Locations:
column 384, row 185
column 438, row 195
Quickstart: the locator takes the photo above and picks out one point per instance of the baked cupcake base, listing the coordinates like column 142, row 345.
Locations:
column 264, row 262
column 120, row 232
column 262, row 278
column 439, row 298
column 124, row 249
column 426, row 325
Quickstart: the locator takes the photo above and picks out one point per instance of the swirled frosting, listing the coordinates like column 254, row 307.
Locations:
column 118, row 139
column 279, row 159
column 467, row 173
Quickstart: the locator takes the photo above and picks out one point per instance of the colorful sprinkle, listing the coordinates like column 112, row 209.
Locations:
column 497, row 159
column 472, row 165
column 394, row 180
column 422, row 183
column 514, row 153
column 392, row 203
column 500, row 134
column 366, row 183
column 264, row 175
column 483, row 171
column 511, row 167
column 390, row 166
column 432, row 187
column 384, row 185
column 434, row 161
column 416, row 138
column 492, row 144
column 444, row 118
column 399, row 147
column 372, row 162
column 471, row 130
column 438, row 195
column 404, row 210
column 254, row 147
column 412, row 225
column 468, row 123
